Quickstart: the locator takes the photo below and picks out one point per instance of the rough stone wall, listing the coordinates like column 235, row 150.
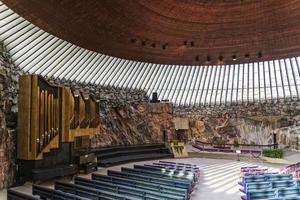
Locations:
column 133, row 123
column 8, row 117
column 248, row 124
column 126, row 116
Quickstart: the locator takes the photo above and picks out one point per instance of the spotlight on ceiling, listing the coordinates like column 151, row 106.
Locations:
column 143, row 43
column 208, row 58
column 164, row 46
column 220, row 58
column 192, row 43
column 247, row 56
column 197, row 58
column 259, row 55
column 185, row 42
column 153, row 45
column 234, row 57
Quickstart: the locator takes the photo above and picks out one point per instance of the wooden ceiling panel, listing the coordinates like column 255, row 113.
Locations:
column 172, row 31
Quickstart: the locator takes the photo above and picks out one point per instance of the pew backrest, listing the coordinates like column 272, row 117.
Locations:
column 16, row 195
column 141, row 184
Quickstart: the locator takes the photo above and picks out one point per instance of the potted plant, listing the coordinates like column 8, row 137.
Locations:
column 236, row 143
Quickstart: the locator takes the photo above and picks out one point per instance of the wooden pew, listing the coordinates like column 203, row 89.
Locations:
column 171, row 172
column 176, row 166
column 270, row 185
column 143, row 193
column 151, row 179
column 286, row 198
column 179, row 164
column 92, row 193
column 175, row 177
column 256, row 186
column 143, row 184
column 272, row 193
column 266, row 178
column 48, row 193
column 195, row 171
column 260, row 194
column 15, row 195
column 288, row 192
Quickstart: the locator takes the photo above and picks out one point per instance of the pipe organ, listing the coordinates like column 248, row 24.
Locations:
column 50, row 115
column 80, row 115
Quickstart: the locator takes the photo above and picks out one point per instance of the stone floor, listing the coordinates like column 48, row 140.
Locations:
column 292, row 156
column 218, row 178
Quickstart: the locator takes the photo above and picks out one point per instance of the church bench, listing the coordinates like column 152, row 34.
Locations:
column 253, row 169
column 260, row 194
column 266, row 178
column 143, row 193
column 220, row 147
column 195, row 172
column 256, row 186
column 258, row 177
column 249, row 167
column 266, row 185
column 170, row 168
column 272, row 193
column 15, row 195
column 175, row 177
column 182, row 164
column 54, row 172
column 286, row 198
column 143, row 184
column 92, row 193
column 256, row 173
column 289, row 192
column 225, row 150
column 170, row 172
column 174, row 168
column 176, row 165
column 48, row 193
column 151, row 179
column 291, row 167
column 290, row 183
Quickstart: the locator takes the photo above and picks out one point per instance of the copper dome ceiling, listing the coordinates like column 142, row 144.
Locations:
column 173, row 31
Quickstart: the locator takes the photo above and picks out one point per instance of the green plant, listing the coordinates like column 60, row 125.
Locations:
column 219, row 141
column 236, row 143
column 273, row 153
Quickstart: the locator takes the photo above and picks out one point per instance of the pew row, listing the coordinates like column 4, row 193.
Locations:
column 160, row 181
column 138, row 183
column 141, row 184
column 15, row 195
column 272, row 193
column 48, row 193
column 142, row 193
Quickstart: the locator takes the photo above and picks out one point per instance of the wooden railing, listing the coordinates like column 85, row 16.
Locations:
column 256, row 146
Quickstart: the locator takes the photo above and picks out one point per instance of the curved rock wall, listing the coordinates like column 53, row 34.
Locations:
column 127, row 117
column 248, row 124
column 8, row 117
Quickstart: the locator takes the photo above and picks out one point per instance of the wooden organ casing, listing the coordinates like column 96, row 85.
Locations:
column 38, row 117
column 50, row 115
column 80, row 115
